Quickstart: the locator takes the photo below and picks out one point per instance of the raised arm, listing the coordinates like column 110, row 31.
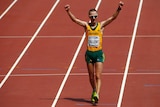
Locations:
column 113, row 17
column 73, row 18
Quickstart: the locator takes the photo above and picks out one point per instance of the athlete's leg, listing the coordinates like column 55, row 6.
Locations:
column 98, row 71
column 91, row 73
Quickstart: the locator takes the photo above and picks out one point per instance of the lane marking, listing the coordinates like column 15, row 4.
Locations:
column 151, row 85
column 129, row 55
column 76, row 36
column 71, row 64
column 10, row 6
column 29, row 43
column 76, row 74
column 40, row 69
column 99, row 104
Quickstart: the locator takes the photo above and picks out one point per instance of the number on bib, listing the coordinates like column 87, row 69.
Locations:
column 93, row 41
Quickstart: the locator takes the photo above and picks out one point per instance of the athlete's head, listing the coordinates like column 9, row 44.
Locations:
column 93, row 14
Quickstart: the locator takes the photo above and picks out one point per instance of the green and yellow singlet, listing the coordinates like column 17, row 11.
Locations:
column 94, row 38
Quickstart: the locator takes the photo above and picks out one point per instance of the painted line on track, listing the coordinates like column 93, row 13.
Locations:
column 40, row 69
column 129, row 55
column 71, row 64
column 151, row 85
column 77, row 36
column 10, row 6
column 99, row 104
column 75, row 74
column 29, row 43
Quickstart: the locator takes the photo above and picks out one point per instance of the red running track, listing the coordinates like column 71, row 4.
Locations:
column 36, row 79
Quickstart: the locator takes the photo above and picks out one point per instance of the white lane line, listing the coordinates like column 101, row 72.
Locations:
column 10, row 6
column 77, row 36
column 129, row 55
column 76, row 74
column 71, row 65
column 29, row 43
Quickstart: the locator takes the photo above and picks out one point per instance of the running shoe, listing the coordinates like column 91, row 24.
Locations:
column 94, row 97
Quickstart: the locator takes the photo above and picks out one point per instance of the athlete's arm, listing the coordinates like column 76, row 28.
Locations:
column 73, row 18
column 113, row 17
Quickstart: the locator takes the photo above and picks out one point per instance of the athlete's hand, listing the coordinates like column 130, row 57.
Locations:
column 121, row 4
column 67, row 7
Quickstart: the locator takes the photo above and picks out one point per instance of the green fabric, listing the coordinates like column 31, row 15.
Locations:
column 93, row 57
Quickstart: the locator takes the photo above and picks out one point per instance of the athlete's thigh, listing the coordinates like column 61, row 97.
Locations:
column 98, row 68
column 90, row 67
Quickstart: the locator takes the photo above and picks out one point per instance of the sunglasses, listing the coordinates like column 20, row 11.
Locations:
column 93, row 17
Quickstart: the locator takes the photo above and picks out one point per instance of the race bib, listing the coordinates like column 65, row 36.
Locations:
column 93, row 41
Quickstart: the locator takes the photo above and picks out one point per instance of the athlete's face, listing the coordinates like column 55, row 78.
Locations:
column 93, row 15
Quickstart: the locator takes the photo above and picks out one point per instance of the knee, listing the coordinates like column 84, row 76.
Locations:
column 98, row 76
column 91, row 77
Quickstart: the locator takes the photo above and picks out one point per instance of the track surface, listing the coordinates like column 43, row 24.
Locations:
column 35, row 80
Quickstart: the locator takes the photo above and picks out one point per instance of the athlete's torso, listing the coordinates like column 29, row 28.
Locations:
column 94, row 38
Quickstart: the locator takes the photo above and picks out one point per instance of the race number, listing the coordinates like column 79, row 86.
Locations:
column 93, row 41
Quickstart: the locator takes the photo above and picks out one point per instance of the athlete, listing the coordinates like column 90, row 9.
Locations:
column 94, row 55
